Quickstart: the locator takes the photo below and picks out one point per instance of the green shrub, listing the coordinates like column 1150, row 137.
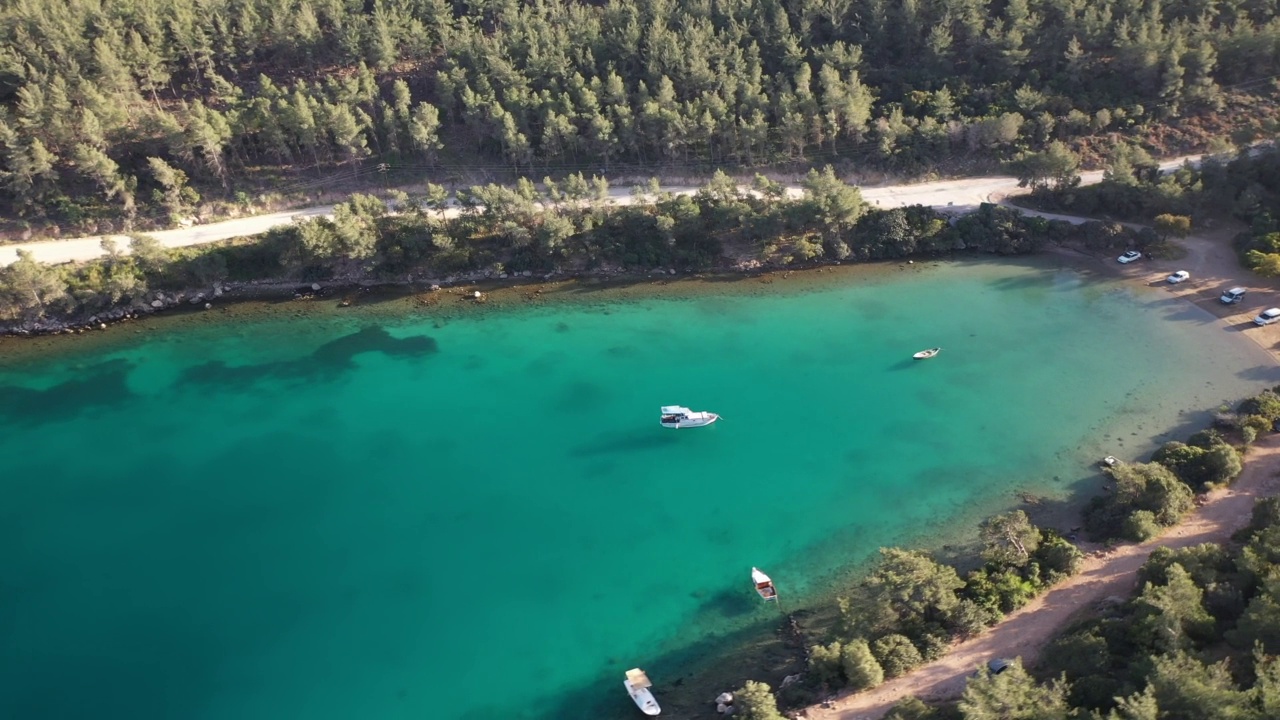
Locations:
column 860, row 665
column 1141, row 526
column 910, row 708
column 1265, row 404
column 1266, row 514
column 755, row 701
column 970, row 618
column 932, row 646
column 1251, row 426
column 825, row 664
column 1057, row 558
column 896, row 654
column 1200, row 467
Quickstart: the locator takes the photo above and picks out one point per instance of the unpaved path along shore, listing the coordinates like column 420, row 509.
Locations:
column 1213, row 266
column 1026, row 631
column 959, row 194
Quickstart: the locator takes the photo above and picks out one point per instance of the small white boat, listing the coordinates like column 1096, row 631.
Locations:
column 1110, row 461
column 764, row 585
column 637, row 684
column 926, row 354
column 677, row 417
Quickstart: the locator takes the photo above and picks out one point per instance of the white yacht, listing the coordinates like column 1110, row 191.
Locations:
column 637, row 684
column 677, row 417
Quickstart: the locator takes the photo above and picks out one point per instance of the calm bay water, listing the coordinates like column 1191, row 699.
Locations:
column 380, row 518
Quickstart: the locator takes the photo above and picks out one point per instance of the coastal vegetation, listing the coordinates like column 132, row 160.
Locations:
column 1244, row 188
column 1197, row 605
column 1199, row 639
column 133, row 114
column 552, row 227
column 910, row 607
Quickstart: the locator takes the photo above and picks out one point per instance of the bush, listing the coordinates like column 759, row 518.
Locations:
column 970, row 618
column 896, row 654
column 825, row 664
column 1266, row 514
column 910, row 708
column 755, row 701
column 1141, row 526
column 1265, row 404
column 1057, row 558
column 932, row 646
column 1200, row 467
column 860, row 666
column 1251, row 426
column 1206, row 438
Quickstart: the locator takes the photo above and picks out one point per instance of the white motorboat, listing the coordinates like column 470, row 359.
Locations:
column 926, row 354
column 637, row 684
column 764, row 585
column 677, row 417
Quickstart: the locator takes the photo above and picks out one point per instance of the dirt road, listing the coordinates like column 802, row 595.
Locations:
column 961, row 194
column 1023, row 633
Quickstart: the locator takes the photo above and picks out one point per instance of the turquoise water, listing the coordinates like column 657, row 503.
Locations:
column 363, row 516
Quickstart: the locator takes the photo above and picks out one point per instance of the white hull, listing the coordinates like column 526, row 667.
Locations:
column 764, row 585
column 643, row 698
column 692, row 422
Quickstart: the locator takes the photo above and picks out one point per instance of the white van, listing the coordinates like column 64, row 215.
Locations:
column 1233, row 296
column 1267, row 317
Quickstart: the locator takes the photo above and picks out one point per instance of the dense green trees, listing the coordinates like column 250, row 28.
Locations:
column 1012, row 695
column 530, row 228
column 221, row 89
column 909, row 607
column 1160, row 654
column 1146, row 497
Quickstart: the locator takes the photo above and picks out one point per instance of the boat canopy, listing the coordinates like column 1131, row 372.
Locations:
column 759, row 578
column 638, row 679
column 675, row 410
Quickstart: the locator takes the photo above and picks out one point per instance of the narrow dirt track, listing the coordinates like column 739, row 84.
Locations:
column 958, row 194
column 1024, row 632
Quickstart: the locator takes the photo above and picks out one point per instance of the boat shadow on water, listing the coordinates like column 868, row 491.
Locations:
column 621, row 443
column 730, row 603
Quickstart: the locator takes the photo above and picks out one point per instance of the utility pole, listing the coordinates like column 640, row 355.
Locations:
column 383, row 168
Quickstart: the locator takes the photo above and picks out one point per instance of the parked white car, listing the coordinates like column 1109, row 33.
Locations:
column 1268, row 316
column 1129, row 257
column 1233, row 296
column 1178, row 277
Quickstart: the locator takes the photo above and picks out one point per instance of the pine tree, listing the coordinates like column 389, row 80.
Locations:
column 424, row 129
column 30, row 288
column 174, row 194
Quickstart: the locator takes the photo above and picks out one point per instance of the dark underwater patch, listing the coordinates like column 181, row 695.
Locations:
column 329, row 360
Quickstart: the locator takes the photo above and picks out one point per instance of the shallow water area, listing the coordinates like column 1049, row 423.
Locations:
column 398, row 516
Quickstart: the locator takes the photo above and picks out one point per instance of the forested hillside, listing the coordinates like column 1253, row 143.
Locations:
column 134, row 108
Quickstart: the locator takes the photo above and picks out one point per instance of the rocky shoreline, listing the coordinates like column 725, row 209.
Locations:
column 347, row 288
